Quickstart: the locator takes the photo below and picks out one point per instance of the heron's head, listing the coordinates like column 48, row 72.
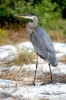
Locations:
column 27, row 16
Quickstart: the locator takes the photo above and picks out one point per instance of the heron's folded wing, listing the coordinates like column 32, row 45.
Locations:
column 42, row 41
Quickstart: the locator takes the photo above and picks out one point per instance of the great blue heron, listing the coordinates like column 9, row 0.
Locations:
column 41, row 42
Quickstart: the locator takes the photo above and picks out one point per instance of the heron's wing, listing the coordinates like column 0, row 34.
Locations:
column 43, row 40
column 44, row 46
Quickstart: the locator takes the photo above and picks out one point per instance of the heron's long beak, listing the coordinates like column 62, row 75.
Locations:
column 20, row 16
column 24, row 16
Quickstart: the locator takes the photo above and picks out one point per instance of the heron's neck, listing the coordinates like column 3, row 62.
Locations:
column 31, row 25
column 34, row 23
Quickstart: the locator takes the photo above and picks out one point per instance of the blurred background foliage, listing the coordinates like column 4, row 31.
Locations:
column 51, row 13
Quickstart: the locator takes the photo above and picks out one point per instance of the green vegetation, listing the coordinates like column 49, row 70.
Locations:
column 51, row 14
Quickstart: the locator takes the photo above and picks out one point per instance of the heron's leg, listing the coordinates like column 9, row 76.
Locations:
column 50, row 72
column 35, row 70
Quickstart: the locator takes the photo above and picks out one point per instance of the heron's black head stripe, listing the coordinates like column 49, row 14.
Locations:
column 27, row 14
column 32, row 14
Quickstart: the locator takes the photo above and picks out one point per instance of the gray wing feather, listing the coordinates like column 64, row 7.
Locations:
column 42, row 44
column 41, row 41
column 44, row 39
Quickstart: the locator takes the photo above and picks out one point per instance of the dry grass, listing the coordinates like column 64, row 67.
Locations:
column 20, row 35
column 63, row 59
column 3, row 35
column 21, row 74
column 17, row 35
column 27, row 77
column 25, row 57
column 57, row 36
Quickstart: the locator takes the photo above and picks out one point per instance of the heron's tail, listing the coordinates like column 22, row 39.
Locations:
column 53, row 59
